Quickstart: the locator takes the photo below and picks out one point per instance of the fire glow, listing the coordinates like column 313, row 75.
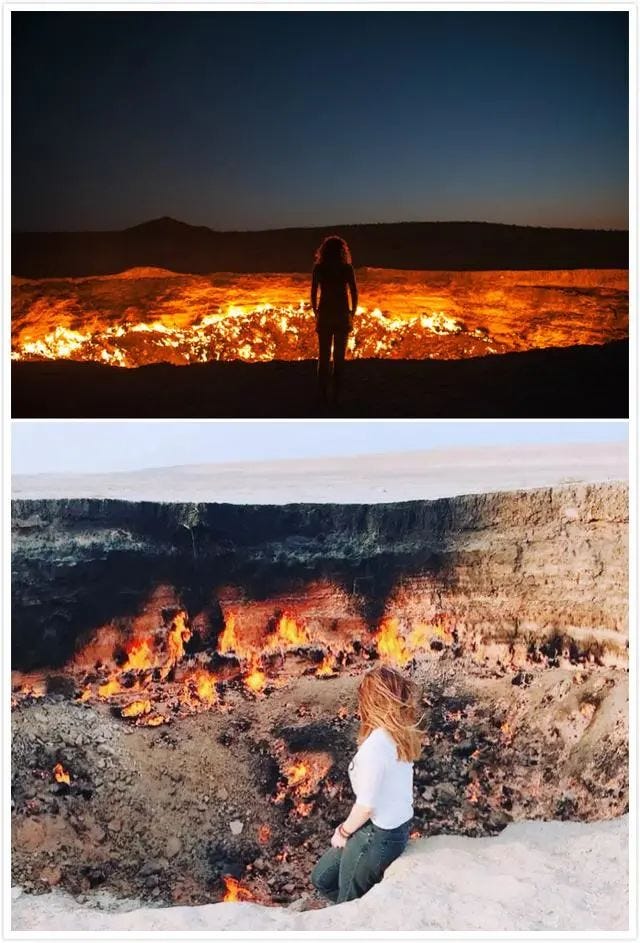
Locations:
column 301, row 778
column 151, row 678
column 155, row 316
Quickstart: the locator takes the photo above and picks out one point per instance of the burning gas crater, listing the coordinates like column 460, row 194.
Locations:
column 263, row 332
column 502, row 742
column 153, row 316
column 150, row 680
column 229, row 708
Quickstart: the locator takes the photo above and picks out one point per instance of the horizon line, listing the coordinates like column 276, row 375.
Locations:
column 400, row 222
column 346, row 456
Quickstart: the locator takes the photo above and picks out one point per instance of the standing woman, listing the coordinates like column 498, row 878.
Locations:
column 334, row 277
column 376, row 831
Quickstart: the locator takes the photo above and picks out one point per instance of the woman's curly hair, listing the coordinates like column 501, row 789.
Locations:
column 333, row 249
column 389, row 700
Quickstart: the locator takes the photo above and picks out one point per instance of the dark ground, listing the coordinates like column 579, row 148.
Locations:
column 574, row 382
column 168, row 243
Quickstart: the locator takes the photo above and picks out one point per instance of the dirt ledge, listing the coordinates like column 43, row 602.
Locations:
column 534, row 876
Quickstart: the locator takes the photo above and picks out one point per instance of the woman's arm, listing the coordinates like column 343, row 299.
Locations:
column 314, row 290
column 357, row 817
column 353, row 289
column 371, row 765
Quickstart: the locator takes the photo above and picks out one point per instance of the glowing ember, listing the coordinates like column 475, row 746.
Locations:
column 61, row 775
column 151, row 720
column 27, row 685
column 302, row 777
column 140, row 317
column 506, row 731
column 136, row 708
column 587, row 709
column 264, row 834
column 472, row 792
column 111, row 687
column 234, row 891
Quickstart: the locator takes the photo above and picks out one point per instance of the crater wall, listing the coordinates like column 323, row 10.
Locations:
column 516, row 568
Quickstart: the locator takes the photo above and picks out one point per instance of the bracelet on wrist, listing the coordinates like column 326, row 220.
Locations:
column 342, row 830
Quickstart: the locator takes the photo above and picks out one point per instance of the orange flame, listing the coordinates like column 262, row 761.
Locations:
column 206, row 686
column 302, row 777
column 234, row 891
column 423, row 633
column 391, row 645
column 255, row 679
column 129, row 319
column 326, row 668
column 61, row 775
column 178, row 635
column 296, row 773
column 288, row 634
column 140, row 655
column 228, row 641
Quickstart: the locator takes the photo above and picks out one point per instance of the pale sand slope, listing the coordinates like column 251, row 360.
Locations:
column 358, row 479
column 533, row 876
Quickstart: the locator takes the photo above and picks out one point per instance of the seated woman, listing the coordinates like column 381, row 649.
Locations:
column 334, row 279
column 376, row 831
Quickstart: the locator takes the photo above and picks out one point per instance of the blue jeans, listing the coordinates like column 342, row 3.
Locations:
column 348, row 873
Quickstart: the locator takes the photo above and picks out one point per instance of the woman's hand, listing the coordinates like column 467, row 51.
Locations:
column 338, row 840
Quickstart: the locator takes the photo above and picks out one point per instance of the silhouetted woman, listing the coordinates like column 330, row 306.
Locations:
column 334, row 277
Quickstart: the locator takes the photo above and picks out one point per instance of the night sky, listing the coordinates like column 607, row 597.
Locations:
column 265, row 120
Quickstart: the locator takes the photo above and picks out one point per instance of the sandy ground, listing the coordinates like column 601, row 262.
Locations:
column 367, row 479
column 533, row 876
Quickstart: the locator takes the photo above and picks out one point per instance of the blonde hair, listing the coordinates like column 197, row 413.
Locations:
column 387, row 699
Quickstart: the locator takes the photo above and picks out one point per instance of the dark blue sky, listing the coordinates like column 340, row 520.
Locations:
column 262, row 120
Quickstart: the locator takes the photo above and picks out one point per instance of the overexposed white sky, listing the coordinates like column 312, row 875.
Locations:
column 125, row 446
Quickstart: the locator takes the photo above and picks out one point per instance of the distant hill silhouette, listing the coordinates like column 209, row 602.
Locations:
column 169, row 243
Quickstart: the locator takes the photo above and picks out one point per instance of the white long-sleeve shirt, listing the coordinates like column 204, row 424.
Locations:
column 381, row 781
